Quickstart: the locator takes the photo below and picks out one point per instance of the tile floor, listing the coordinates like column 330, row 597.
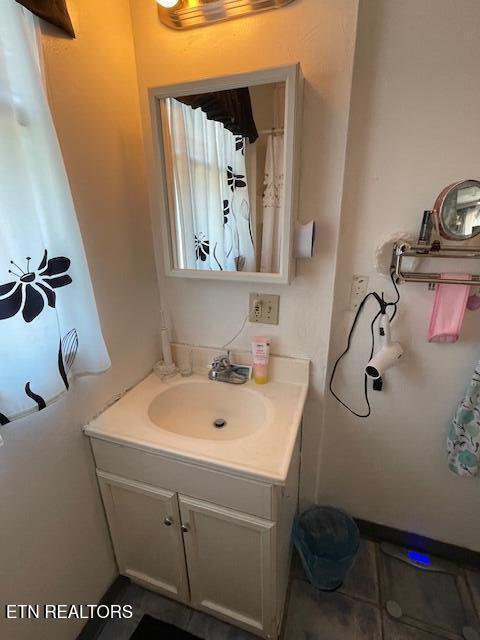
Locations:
column 353, row 612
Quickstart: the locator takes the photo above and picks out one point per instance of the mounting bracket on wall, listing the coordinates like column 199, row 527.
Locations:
column 188, row 14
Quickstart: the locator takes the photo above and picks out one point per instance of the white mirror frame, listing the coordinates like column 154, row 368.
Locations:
column 161, row 214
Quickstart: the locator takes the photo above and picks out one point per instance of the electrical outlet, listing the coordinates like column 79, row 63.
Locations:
column 358, row 291
column 264, row 308
column 256, row 309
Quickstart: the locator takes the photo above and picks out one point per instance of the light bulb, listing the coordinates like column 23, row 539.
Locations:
column 168, row 4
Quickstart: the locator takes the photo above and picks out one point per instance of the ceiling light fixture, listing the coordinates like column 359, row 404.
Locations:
column 168, row 4
column 187, row 14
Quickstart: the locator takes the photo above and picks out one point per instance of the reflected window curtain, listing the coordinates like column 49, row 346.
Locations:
column 49, row 326
column 273, row 201
column 213, row 226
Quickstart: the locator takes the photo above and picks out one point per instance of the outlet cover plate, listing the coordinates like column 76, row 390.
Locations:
column 358, row 291
column 267, row 311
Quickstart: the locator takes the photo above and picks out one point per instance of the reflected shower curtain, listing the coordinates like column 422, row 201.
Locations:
column 49, row 327
column 212, row 206
column 273, row 198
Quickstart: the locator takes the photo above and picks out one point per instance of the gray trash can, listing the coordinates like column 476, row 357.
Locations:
column 327, row 541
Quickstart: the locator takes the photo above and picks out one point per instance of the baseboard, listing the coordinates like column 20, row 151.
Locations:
column 382, row 533
column 94, row 626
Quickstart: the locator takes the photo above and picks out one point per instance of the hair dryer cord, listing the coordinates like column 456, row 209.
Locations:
column 383, row 309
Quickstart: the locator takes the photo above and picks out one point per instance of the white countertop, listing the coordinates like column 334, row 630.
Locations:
column 264, row 454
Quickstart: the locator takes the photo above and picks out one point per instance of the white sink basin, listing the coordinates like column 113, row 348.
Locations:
column 175, row 419
column 192, row 408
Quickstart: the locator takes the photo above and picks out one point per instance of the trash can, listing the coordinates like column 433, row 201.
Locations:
column 327, row 541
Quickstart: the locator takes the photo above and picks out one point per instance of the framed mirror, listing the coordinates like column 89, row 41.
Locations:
column 225, row 175
column 458, row 210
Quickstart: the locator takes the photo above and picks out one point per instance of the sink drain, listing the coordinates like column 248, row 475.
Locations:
column 219, row 423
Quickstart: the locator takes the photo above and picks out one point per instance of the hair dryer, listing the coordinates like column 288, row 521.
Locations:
column 388, row 354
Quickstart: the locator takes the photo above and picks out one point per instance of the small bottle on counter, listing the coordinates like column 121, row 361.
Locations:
column 260, row 353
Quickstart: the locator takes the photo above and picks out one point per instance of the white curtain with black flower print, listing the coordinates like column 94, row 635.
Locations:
column 49, row 326
column 213, row 225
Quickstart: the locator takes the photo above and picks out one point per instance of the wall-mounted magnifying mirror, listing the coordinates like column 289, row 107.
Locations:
column 458, row 210
column 226, row 155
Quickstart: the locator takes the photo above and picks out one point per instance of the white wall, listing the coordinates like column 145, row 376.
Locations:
column 54, row 544
column 414, row 128
column 320, row 35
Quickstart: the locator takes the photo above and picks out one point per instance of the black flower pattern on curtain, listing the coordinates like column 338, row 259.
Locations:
column 41, row 404
column 240, row 144
column 202, row 247
column 67, row 350
column 226, row 211
column 215, row 257
column 27, row 289
column 235, row 180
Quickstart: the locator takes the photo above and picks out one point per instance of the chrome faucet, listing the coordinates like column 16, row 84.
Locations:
column 222, row 370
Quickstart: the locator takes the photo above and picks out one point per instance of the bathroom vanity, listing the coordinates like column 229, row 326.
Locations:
column 200, row 514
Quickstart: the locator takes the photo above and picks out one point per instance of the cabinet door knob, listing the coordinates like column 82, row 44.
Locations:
column 185, row 528
column 168, row 521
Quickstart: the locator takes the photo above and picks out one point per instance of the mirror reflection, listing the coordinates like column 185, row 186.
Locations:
column 225, row 162
column 459, row 210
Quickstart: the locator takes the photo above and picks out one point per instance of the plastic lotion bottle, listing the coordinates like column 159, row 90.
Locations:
column 260, row 353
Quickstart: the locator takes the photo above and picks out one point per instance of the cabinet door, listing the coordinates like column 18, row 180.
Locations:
column 145, row 528
column 230, row 564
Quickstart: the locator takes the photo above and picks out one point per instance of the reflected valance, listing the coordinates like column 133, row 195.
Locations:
column 233, row 108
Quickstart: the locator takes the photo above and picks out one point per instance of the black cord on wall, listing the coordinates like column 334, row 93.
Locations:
column 383, row 305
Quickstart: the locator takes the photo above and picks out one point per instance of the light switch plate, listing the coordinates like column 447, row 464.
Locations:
column 263, row 308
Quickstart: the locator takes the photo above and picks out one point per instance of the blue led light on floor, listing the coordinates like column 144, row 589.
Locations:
column 419, row 558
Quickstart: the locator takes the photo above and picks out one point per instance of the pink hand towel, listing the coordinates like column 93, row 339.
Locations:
column 449, row 309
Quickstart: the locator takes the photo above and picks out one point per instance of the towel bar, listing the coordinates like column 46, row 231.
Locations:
column 405, row 250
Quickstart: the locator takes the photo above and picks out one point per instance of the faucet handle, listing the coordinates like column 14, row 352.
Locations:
column 225, row 360
column 221, row 363
column 224, row 371
column 216, row 363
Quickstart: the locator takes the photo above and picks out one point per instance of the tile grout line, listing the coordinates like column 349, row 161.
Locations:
column 379, row 588
column 476, row 610
column 190, row 616
column 372, row 603
column 286, row 610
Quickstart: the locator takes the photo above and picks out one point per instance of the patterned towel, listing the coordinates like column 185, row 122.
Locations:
column 463, row 442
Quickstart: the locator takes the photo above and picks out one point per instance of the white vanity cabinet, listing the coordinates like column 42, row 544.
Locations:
column 216, row 541
column 144, row 526
column 230, row 563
